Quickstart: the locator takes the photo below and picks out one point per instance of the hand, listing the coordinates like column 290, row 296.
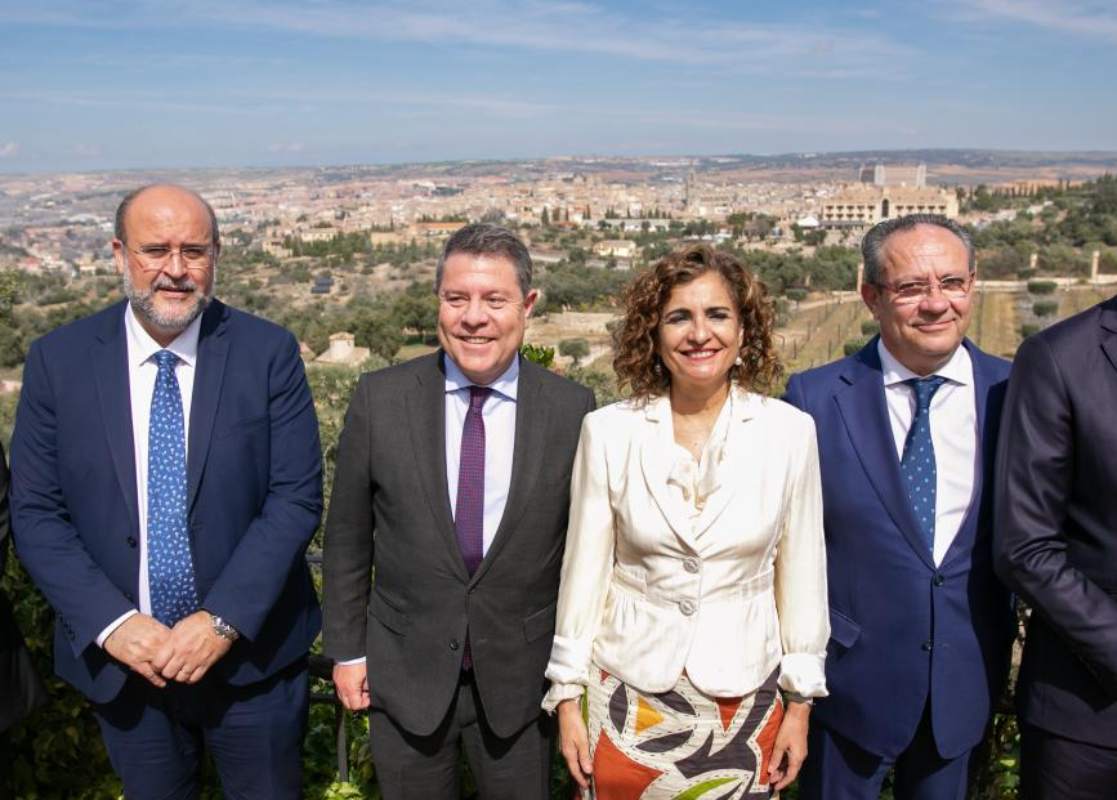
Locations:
column 791, row 746
column 574, row 742
column 351, row 685
column 193, row 647
column 136, row 642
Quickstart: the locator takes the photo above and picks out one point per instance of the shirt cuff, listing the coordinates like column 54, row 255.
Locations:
column 804, row 674
column 112, row 626
column 559, row 692
column 348, row 662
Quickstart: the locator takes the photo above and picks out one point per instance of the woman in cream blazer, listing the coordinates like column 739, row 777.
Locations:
column 694, row 578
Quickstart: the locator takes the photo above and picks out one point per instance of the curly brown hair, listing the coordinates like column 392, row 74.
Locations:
column 637, row 362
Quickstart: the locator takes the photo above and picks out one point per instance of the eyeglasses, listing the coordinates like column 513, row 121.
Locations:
column 953, row 287
column 157, row 256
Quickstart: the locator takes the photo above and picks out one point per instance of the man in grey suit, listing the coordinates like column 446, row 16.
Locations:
column 452, row 486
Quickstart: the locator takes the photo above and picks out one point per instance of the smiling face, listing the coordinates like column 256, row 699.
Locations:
column 482, row 313
column 166, row 293
column 699, row 334
column 922, row 334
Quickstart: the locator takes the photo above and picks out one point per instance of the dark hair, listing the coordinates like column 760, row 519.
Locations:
column 873, row 242
column 120, row 232
column 636, row 338
column 487, row 239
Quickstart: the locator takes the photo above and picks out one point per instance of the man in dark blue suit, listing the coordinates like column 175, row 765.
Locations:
column 1056, row 546
column 166, row 479
column 920, row 628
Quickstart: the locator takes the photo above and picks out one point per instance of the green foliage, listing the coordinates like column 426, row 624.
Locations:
column 1042, row 287
column 851, row 346
column 870, row 327
column 539, row 354
column 795, row 293
column 1027, row 329
column 604, row 386
column 575, row 349
column 568, row 285
column 1045, row 308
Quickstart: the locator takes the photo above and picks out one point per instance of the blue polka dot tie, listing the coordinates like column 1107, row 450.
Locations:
column 170, row 567
column 917, row 465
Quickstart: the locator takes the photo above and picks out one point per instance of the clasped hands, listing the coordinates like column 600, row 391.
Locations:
column 183, row 653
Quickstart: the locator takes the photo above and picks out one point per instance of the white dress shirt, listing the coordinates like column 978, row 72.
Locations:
column 142, row 370
column 715, row 567
column 499, row 416
column 953, row 417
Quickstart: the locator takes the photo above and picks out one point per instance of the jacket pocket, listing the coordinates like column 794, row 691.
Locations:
column 843, row 630
column 389, row 616
column 540, row 623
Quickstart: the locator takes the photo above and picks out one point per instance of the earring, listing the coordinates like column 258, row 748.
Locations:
column 737, row 361
column 657, row 368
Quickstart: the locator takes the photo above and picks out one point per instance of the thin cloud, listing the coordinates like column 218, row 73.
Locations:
column 1080, row 17
column 8, row 149
column 570, row 27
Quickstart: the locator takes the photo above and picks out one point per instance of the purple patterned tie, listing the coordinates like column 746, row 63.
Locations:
column 469, row 513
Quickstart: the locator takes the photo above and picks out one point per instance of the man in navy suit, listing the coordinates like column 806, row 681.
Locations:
column 1056, row 546
column 166, row 479
column 920, row 628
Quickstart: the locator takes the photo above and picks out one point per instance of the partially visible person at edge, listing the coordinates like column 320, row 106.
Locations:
column 452, row 486
column 21, row 691
column 694, row 581
column 920, row 627
column 1055, row 544
column 166, row 479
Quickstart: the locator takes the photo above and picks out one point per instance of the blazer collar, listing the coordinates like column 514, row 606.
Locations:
column 863, row 409
column 658, row 453
column 209, row 374
column 109, row 354
column 1107, row 317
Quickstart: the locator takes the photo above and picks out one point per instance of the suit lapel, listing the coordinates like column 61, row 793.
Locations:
column 527, row 457
column 427, row 423
column 110, row 358
column 657, row 456
column 1108, row 314
column 213, row 349
column 865, row 414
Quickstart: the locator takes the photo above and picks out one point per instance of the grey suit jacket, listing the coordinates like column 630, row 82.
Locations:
column 390, row 512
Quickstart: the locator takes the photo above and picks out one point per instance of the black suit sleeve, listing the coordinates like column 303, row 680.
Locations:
column 347, row 549
column 5, row 518
column 1035, row 483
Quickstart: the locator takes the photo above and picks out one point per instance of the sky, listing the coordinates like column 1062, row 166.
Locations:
column 90, row 85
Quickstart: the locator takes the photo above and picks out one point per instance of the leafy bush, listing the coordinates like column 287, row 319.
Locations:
column 1042, row 287
column 1027, row 329
column 870, row 327
column 853, row 345
column 1045, row 308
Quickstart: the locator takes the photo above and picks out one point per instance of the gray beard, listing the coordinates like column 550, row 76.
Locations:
column 143, row 304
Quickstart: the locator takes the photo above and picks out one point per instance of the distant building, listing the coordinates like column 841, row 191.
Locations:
column 434, row 230
column 323, row 284
column 381, row 238
column 317, row 234
column 861, row 205
column 275, row 247
column 343, row 352
column 913, row 175
column 615, row 248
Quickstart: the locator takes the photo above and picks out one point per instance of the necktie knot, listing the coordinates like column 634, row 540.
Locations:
column 166, row 359
column 477, row 397
column 925, row 389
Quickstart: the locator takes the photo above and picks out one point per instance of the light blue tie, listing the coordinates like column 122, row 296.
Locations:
column 170, row 568
column 917, row 465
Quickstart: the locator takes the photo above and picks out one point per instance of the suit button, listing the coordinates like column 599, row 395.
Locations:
column 939, row 580
column 927, row 646
column 131, row 541
column 690, row 565
column 454, row 644
column 688, row 607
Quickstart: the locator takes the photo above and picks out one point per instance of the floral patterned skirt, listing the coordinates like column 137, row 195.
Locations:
column 682, row 744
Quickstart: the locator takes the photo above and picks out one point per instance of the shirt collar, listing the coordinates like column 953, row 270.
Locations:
column 959, row 369
column 506, row 385
column 142, row 347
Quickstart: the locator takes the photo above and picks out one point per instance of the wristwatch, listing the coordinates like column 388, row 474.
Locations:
column 223, row 628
